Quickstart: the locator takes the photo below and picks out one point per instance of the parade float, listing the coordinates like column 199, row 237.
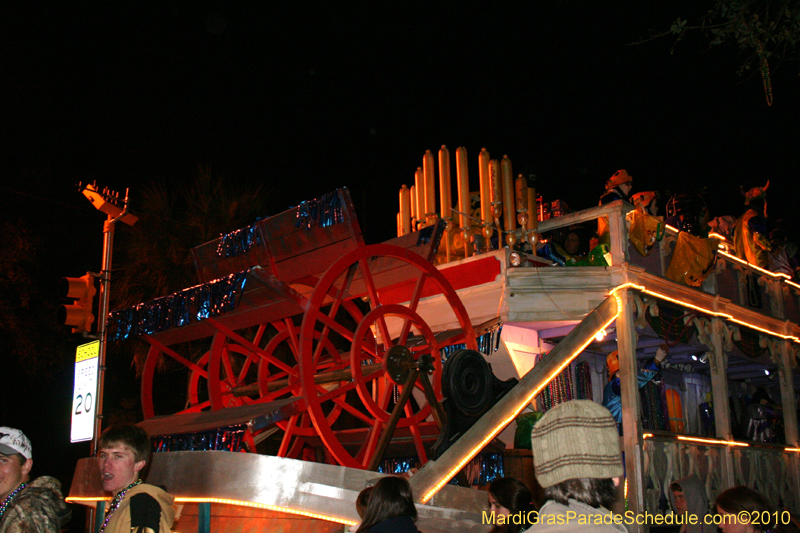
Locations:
column 335, row 362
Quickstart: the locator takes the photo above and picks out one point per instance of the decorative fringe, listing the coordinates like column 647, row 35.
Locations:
column 229, row 439
column 481, row 471
column 184, row 307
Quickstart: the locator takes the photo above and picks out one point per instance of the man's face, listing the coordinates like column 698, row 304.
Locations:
column 118, row 467
column 12, row 473
column 626, row 187
column 680, row 502
column 572, row 244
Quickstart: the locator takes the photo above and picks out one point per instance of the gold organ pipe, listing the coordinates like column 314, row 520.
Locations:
column 405, row 211
column 521, row 196
column 429, row 177
column 445, row 194
column 486, row 186
column 419, row 183
column 413, row 201
column 496, row 190
column 462, row 175
column 533, row 219
column 509, row 213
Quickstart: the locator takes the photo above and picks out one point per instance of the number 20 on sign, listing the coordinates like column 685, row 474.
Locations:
column 83, row 395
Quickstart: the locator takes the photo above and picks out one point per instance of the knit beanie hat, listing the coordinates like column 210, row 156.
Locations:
column 575, row 439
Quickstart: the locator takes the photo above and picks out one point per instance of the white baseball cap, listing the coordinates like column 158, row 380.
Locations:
column 14, row 441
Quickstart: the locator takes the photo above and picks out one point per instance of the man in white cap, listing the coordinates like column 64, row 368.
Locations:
column 578, row 462
column 27, row 506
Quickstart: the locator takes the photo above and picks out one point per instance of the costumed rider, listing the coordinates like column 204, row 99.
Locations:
column 618, row 187
column 27, row 506
column 750, row 234
column 647, row 201
column 124, row 452
column 571, row 253
column 612, row 397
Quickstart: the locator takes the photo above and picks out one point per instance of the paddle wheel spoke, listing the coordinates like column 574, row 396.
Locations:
column 415, row 435
column 412, row 306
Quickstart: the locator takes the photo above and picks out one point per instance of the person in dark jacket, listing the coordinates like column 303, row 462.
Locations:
column 390, row 508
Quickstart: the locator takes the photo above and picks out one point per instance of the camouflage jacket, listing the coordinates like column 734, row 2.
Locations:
column 40, row 508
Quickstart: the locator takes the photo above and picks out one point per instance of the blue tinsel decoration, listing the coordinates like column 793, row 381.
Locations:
column 238, row 242
column 488, row 343
column 228, row 439
column 180, row 309
column 323, row 211
column 489, row 467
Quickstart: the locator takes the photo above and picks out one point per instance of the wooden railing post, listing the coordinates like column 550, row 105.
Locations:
column 631, row 419
column 718, row 363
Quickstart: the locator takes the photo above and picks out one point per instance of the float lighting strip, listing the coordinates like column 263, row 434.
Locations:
column 241, row 503
column 517, row 410
column 269, row 507
column 714, row 441
column 755, row 267
column 643, row 289
column 703, row 441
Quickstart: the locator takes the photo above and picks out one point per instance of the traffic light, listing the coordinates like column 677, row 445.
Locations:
column 78, row 314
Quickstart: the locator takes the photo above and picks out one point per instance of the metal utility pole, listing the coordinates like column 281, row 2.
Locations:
column 116, row 208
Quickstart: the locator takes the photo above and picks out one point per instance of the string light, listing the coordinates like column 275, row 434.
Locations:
column 755, row 267
column 643, row 289
column 528, row 399
column 240, row 503
column 85, row 499
column 712, row 441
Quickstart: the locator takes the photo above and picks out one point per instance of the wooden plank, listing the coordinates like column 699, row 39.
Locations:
column 265, row 413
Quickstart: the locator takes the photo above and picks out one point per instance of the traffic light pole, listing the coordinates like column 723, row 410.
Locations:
column 105, row 292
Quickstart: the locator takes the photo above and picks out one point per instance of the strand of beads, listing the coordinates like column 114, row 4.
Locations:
column 583, row 374
column 115, row 503
column 8, row 499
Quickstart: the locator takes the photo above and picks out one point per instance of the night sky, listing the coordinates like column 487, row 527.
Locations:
column 308, row 97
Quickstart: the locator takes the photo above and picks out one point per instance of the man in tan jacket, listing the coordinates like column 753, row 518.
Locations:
column 124, row 452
